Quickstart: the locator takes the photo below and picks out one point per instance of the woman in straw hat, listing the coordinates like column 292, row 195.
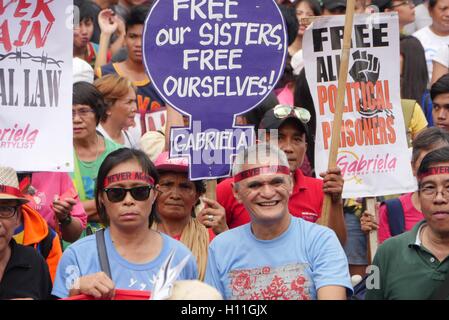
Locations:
column 17, row 282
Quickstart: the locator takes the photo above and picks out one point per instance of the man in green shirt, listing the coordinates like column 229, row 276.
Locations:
column 415, row 264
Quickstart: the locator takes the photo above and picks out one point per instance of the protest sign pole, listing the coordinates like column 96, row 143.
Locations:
column 371, row 208
column 211, row 186
column 342, row 78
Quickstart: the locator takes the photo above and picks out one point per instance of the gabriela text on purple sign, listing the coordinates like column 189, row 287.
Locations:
column 212, row 139
column 218, row 50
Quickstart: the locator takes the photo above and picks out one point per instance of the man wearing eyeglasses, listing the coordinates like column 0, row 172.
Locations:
column 23, row 272
column 307, row 197
column 415, row 264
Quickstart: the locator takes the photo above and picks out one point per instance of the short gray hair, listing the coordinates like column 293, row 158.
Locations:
column 258, row 153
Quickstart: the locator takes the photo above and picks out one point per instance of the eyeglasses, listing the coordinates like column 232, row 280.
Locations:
column 81, row 112
column 140, row 193
column 432, row 191
column 7, row 212
column 402, row 3
column 284, row 110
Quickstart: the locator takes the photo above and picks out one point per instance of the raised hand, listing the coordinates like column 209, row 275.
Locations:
column 108, row 21
column 213, row 216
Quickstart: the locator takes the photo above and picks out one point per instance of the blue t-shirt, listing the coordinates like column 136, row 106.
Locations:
column 293, row 266
column 81, row 259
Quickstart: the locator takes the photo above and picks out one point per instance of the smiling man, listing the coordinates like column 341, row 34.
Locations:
column 439, row 93
column 414, row 265
column 276, row 255
column 306, row 199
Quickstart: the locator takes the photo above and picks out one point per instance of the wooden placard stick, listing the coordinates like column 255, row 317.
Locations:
column 372, row 237
column 211, row 187
column 342, row 78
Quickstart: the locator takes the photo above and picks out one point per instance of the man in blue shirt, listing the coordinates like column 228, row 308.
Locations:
column 276, row 255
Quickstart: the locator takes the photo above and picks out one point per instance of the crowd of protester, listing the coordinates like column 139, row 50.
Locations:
column 128, row 217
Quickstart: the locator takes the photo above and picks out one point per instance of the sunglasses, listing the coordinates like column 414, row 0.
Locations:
column 282, row 111
column 140, row 193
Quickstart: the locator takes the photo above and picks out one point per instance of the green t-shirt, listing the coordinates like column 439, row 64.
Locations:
column 408, row 271
column 89, row 173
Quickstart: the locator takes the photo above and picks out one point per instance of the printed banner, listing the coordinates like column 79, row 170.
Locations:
column 213, row 60
column 373, row 154
column 36, row 39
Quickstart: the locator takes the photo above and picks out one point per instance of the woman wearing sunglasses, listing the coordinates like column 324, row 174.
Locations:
column 176, row 206
column 124, row 198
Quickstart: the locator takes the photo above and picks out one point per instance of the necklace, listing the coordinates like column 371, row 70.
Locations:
column 91, row 164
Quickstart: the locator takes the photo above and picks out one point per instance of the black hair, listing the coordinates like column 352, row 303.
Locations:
column 432, row 4
column 86, row 12
column 86, row 93
column 200, row 186
column 427, row 139
column 441, row 86
column 303, row 98
column 288, row 77
column 112, row 160
column 137, row 15
column 384, row 5
column 440, row 155
column 414, row 69
column 313, row 4
column 289, row 14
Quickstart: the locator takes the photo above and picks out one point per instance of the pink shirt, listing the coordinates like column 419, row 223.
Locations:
column 49, row 184
column 284, row 95
column 411, row 214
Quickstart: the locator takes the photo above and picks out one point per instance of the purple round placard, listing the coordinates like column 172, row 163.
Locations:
column 214, row 57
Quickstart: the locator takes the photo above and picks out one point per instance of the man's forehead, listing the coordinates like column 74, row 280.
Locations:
column 261, row 173
column 263, row 177
column 259, row 164
column 442, row 98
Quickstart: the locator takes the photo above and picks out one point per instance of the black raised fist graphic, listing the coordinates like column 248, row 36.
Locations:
column 366, row 67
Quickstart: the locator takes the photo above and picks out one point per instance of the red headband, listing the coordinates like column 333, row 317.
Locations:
column 434, row 170
column 261, row 170
column 11, row 191
column 123, row 176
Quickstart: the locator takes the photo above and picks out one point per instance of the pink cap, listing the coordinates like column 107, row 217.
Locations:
column 164, row 163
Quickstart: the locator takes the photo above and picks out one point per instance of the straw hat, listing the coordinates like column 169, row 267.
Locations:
column 9, row 186
column 194, row 290
column 152, row 143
